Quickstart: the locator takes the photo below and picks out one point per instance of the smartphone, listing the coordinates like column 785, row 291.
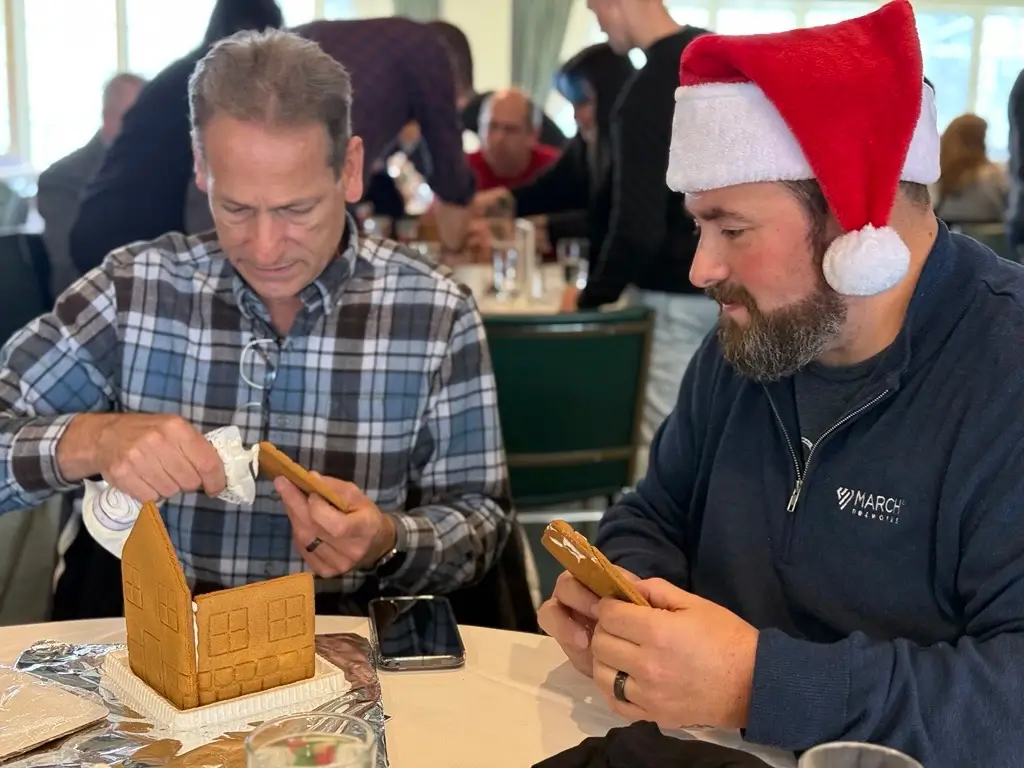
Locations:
column 413, row 633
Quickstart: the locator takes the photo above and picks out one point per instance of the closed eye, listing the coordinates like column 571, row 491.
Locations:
column 733, row 234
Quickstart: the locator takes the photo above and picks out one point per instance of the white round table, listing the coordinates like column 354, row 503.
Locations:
column 478, row 277
column 515, row 703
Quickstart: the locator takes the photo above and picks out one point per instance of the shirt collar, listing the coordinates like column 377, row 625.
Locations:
column 319, row 296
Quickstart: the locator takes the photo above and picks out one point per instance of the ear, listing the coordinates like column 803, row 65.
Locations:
column 199, row 167
column 352, row 173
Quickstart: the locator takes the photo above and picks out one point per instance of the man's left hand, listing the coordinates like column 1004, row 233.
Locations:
column 356, row 538
column 689, row 661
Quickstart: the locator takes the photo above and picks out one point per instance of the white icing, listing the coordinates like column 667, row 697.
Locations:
column 109, row 514
column 195, row 631
column 570, row 548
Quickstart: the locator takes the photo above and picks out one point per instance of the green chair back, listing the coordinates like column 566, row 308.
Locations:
column 570, row 393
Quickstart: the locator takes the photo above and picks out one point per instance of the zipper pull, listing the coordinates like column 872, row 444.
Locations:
column 795, row 496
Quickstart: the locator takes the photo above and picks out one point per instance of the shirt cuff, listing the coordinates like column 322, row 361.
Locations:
column 415, row 536
column 33, row 455
column 800, row 691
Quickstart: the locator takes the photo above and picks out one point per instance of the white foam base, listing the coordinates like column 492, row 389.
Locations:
column 328, row 682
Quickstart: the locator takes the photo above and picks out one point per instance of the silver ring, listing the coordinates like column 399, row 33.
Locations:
column 619, row 688
column 314, row 544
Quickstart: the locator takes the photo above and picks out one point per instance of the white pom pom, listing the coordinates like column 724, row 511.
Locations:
column 866, row 262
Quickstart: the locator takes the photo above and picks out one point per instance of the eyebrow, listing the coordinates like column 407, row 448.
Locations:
column 716, row 214
column 301, row 203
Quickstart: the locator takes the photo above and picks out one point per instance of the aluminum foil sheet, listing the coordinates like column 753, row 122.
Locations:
column 128, row 740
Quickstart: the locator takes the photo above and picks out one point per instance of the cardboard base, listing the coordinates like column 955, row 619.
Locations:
column 34, row 712
column 328, row 682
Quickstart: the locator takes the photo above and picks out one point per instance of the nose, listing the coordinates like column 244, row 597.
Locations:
column 708, row 267
column 266, row 241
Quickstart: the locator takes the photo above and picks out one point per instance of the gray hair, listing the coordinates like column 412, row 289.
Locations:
column 275, row 78
column 534, row 114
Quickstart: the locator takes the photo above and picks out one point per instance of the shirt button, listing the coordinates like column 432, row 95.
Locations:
column 268, row 570
column 282, row 421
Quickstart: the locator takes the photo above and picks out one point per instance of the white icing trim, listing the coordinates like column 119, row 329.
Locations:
column 568, row 546
column 726, row 134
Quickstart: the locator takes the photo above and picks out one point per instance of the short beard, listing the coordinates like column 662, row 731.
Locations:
column 776, row 344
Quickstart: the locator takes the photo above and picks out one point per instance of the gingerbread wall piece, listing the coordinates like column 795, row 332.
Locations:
column 255, row 638
column 237, row 641
column 158, row 612
column 587, row 564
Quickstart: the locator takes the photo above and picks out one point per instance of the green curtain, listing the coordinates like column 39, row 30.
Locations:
column 538, row 30
column 418, row 10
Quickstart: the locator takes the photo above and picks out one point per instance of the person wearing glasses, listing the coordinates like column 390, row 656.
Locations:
column 363, row 361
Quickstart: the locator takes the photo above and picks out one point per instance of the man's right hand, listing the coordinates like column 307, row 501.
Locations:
column 146, row 456
column 569, row 616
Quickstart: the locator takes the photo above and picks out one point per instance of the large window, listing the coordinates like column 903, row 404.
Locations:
column 750, row 21
column 5, row 115
column 832, row 13
column 297, row 11
column 160, row 32
column 946, row 44
column 1002, row 60
column 65, row 89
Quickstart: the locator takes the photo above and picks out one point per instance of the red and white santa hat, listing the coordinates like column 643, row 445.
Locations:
column 845, row 104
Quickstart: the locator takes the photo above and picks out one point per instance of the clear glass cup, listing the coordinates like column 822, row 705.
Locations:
column 573, row 255
column 334, row 741
column 848, row 754
column 506, row 265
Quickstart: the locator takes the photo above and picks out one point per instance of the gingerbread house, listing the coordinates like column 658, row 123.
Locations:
column 222, row 645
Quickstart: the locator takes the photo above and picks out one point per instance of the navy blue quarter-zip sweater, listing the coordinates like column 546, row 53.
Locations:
column 887, row 573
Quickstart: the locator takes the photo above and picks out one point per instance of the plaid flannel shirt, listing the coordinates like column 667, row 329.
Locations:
column 384, row 381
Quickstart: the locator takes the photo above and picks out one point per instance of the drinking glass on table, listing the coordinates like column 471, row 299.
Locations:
column 335, row 741
column 573, row 254
column 506, row 263
column 848, row 754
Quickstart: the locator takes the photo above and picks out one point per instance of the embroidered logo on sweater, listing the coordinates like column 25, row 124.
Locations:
column 870, row 506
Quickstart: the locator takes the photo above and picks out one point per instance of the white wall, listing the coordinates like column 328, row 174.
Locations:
column 488, row 25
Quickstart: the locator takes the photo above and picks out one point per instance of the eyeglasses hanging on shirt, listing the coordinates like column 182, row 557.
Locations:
column 257, row 366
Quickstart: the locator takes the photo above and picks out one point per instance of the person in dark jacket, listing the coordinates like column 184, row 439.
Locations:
column 1015, row 211
column 831, row 529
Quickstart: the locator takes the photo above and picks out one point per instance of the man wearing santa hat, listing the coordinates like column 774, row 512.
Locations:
column 831, row 529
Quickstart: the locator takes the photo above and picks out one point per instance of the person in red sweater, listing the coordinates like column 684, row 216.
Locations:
column 511, row 153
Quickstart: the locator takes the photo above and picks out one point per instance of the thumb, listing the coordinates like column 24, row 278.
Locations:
column 667, row 596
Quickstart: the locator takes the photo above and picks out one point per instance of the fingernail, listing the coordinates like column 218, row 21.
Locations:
column 581, row 639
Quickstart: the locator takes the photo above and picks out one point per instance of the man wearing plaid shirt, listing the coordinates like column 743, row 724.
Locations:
column 359, row 360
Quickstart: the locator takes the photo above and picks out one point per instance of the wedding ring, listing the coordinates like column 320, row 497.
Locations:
column 619, row 688
column 314, row 544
